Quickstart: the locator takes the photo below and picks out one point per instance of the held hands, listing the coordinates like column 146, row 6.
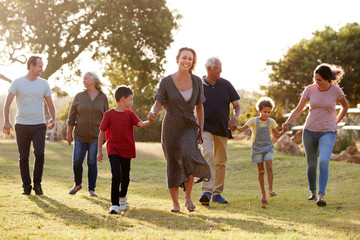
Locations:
column 151, row 116
column 232, row 124
column 7, row 127
column 285, row 126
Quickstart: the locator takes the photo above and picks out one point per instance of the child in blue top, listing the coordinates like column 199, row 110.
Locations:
column 263, row 129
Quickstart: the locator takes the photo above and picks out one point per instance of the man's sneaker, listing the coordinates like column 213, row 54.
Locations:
column 27, row 190
column 123, row 203
column 114, row 209
column 37, row 189
column 219, row 199
column 205, row 198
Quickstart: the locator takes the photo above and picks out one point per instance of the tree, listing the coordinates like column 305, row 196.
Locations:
column 295, row 70
column 131, row 31
column 129, row 36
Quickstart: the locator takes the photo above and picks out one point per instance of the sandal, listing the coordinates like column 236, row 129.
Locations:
column 175, row 209
column 190, row 206
column 272, row 194
column 264, row 200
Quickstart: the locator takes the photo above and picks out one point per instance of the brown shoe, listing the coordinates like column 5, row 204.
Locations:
column 321, row 202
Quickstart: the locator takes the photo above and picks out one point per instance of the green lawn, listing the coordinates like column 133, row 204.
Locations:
column 58, row 215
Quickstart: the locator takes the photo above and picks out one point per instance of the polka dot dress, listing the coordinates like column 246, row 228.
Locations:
column 180, row 133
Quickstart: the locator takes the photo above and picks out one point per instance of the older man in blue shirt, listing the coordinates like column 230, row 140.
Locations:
column 219, row 93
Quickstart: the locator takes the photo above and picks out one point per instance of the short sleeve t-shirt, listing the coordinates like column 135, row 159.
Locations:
column 119, row 129
column 30, row 99
column 217, row 106
column 322, row 113
column 251, row 123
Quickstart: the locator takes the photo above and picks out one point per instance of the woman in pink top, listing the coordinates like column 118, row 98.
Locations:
column 321, row 123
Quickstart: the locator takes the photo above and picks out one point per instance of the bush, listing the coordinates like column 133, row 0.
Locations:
column 343, row 140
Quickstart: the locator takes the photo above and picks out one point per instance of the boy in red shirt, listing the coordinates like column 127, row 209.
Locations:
column 118, row 124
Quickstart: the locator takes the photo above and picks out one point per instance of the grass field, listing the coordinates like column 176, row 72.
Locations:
column 58, row 215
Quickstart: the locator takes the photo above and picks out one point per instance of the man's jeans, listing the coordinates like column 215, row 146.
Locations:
column 318, row 143
column 25, row 134
column 80, row 149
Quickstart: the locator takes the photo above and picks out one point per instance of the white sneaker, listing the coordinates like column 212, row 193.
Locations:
column 123, row 203
column 114, row 209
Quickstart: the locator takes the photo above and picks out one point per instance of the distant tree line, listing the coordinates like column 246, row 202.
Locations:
column 130, row 37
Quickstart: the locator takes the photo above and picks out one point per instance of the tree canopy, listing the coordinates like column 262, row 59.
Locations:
column 128, row 37
column 294, row 71
column 132, row 33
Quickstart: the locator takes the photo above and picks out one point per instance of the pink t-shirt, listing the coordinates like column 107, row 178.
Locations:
column 119, row 129
column 322, row 113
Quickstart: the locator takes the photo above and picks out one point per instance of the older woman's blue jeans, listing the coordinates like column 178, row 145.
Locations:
column 80, row 149
column 318, row 144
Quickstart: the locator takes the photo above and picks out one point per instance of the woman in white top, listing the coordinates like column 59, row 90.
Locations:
column 321, row 123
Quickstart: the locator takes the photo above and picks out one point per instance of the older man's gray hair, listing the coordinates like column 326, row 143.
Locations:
column 211, row 62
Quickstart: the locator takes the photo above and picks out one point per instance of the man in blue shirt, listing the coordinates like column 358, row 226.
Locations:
column 219, row 93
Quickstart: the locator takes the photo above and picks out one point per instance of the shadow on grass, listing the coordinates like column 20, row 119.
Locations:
column 74, row 217
column 182, row 221
column 102, row 202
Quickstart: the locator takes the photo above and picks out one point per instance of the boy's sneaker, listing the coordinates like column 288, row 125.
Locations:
column 114, row 209
column 37, row 189
column 123, row 203
column 205, row 198
column 219, row 199
column 27, row 190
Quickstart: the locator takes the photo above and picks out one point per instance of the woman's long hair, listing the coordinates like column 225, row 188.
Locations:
column 98, row 83
column 329, row 72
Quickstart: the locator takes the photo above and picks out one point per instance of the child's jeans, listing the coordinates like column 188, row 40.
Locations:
column 315, row 143
column 120, row 170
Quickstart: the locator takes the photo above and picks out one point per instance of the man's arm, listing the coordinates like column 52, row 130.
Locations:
column 232, row 122
column 7, row 125
column 51, row 109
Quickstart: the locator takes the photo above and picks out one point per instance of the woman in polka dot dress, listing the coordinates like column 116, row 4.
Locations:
column 181, row 93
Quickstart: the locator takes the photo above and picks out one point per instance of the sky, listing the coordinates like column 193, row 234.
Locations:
column 243, row 34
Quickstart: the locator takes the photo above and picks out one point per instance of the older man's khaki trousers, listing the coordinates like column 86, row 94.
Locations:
column 215, row 152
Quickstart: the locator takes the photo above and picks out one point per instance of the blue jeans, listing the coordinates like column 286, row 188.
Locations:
column 318, row 144
column 80, row 149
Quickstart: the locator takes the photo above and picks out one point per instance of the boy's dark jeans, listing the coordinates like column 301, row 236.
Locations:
column 25, row 134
